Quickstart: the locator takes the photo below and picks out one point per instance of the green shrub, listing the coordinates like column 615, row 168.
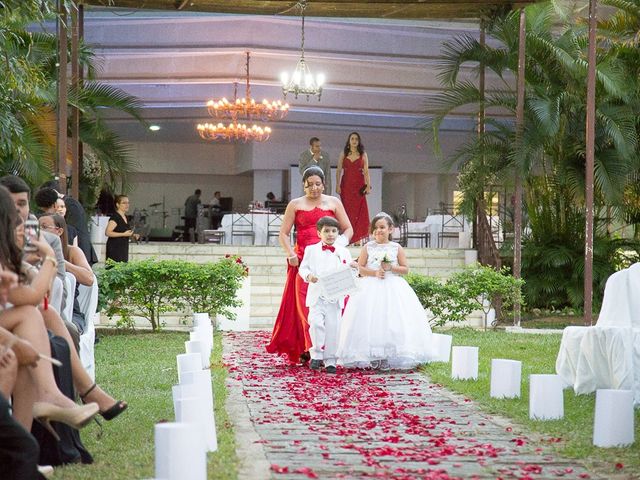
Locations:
column 446, row 303
column 487, row 288
column 149, row 288
column 453, row 300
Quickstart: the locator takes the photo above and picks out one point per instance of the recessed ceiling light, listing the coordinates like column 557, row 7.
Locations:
column 154, row 128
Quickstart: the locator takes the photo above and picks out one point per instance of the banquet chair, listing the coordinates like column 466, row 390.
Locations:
column 67, row 311
column 242, row 226
column 452, row 225
column 55, row 299
column 406, row 235
column 274, row 221
column 88, row 303
column 213, row 236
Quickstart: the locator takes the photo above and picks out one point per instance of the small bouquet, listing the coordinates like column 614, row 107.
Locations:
column 383, row 259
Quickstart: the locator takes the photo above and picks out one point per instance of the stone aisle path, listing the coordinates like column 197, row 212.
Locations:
column 293, row 423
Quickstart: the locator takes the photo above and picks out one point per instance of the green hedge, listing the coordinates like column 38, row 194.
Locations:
column 465, row 291
column 149, row 288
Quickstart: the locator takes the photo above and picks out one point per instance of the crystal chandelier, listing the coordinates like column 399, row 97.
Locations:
column 302, row 82
column 233, row 131
column 247, row 106
column 244, row 109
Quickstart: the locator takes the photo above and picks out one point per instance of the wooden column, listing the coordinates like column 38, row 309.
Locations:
column 75, row 113
column 517, row 204
column 481, row 128
column 62, row 97
column 589, row 167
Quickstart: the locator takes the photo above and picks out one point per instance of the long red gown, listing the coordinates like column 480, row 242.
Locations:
column 290, row 334
column 354, row 202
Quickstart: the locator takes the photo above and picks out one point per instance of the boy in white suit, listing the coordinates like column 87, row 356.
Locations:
column 320, row 259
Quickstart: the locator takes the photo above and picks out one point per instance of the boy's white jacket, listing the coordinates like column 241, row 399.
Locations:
column 319, row 263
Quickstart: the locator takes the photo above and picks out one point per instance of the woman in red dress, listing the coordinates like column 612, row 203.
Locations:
column 291, row 331
column 355, row 185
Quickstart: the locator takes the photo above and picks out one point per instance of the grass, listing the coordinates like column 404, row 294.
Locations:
column 141, row 368
column 538, row 355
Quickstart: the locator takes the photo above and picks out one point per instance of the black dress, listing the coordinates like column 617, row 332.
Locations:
column 118, row 247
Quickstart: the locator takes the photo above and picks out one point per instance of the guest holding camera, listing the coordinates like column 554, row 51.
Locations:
column 354, row 186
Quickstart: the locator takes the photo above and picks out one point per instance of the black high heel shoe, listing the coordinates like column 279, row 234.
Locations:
column 112, row 412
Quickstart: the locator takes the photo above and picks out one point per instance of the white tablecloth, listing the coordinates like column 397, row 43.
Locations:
column 606, row 355
column 260, row 227
column 434, row 226
column 97, row 227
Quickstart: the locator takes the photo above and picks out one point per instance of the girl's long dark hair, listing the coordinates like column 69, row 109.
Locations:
column 347, row 147
column 10, row 254
column 60, row 222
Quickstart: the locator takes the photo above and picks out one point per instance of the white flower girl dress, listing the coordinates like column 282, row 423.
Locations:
column 384, row 323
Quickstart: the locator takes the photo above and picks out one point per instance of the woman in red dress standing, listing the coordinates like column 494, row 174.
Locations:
column 291, row 331
column 355, row 185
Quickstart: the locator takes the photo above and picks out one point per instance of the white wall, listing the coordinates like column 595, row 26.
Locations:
column 265, row 181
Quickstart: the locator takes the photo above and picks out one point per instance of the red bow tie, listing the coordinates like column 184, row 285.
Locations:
column 329, row 247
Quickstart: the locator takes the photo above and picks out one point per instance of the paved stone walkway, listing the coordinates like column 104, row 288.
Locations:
column 293, row 423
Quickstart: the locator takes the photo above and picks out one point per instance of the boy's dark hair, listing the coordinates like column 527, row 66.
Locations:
column 198, row 191
column 15, row 184
column 51, row 184
column 327, row 222
column 46, row 197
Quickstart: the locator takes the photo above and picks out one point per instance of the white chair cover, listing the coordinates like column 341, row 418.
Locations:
column 88, row 302
column 67, row 312
column 55, row 299
column 607, row 355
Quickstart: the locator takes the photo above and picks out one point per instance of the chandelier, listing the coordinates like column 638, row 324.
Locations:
column 247, row 106
column 302, row 82
column 245, row 109
column 233, row 131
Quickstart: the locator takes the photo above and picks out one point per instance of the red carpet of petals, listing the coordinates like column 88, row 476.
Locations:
column 369, row 424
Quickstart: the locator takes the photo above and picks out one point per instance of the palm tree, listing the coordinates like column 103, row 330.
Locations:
column 28, row 125
column 552, row 144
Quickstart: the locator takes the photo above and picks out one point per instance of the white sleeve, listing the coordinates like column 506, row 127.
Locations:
column 341, row 241
column 305, row 269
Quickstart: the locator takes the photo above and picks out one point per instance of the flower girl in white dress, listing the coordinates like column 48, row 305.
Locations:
column 384, row 325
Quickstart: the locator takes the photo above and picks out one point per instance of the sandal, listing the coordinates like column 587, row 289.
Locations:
column 112, row 412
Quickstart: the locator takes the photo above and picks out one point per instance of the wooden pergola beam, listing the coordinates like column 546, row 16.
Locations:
column 392, row 9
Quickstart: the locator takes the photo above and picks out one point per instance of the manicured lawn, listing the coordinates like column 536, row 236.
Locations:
column 538, row 355
column 141, row 368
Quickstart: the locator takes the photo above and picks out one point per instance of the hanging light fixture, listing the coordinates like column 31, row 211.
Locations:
column 244, row 109
column 247, row 106
column 233, row 131
column 301, row 81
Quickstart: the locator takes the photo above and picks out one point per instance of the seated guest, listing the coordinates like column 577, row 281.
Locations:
column 76, row 217
column 74, row 262
column 19, row 451
column 31, row 295
column 271, row 197
column 49, row 201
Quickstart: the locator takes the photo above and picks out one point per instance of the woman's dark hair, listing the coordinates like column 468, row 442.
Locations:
column 10, row 254
column 311, row 172
column 347, row 147
column 60, row 222
column 118, row 199
column 382, row 216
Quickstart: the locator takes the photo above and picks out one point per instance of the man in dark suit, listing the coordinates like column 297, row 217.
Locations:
column 316, row 157
column 191, row 214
